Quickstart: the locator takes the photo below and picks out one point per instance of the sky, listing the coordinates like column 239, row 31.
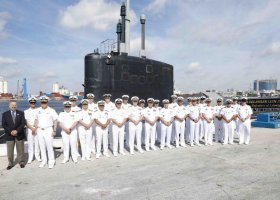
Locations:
column 212, row 44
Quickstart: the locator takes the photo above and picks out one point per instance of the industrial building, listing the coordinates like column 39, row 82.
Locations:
column 3, row 86
column 266, row 84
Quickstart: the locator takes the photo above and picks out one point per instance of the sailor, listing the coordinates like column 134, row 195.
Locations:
column 109, row 106
column 151, row 117
column 102, row 120
column 201, row 106
column 32, row 137
column 92, row 108
column 181, row 113
column 85, row 130
column 235, row 106
column 244, row 126
column 228, row 115
column 166, row 116
column 194, row 117
column 219, row 133
column 119, row 118
column 135, row 125
column 46, row 124
column 208, row 115
column 158, row 124
column 126, row 106
column 187, row 130
column 73, row 99
column 142, row 106
column 68, row 122
column 172, row 106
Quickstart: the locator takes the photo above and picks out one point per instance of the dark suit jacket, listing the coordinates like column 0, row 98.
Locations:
column 9, row 125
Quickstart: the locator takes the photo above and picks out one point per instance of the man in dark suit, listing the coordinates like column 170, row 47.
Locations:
column 13, row 122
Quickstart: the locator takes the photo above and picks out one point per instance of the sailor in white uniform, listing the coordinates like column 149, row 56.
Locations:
column 235, row 105
column 194, row 117
column 244, row 114
column 151, row 117
column 181, row 113
column 228, row 115
column 135, row 125
column 218, row 122
column 142, row 106
column 109, row 106
column 173, row 106
column 187, row 130
column 32, row 137
column 166, row 116
column 85, row 130
column 102, row 120
column 208, row 114
column 119, row 118
column 126, row 106
column 92, row 108
column 158, row 124
column 201, row 106
column 68, row 122
column 46, row 124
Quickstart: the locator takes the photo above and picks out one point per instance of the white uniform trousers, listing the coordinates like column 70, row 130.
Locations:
column 77, row 144
column 126, row 133
column 33, row 145
column 46, row 144
column 166, row 132
column 158, row 131
column 219, row 136
column 110, row 135
column 150, row 134
column 194, row 132
column 93, row 140
column 118, row 138
column 244, row 131
column 208, row 132
column 201, row 129
column 180, row 132
column 228, row 132
column 143, row 133
column 85, row 141
column 70, row 142
column 101, row 138
column 236, row 127
column 135, row 130
column 187, row 130
column 173, row 132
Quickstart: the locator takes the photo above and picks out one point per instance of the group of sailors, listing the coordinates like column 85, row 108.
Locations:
column 97, row 126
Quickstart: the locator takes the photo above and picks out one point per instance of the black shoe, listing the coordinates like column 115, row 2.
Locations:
column 22, row 165
column 9, row 167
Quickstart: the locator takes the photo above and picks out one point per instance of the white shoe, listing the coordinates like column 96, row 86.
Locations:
column 147, row 149
column 115, row 154
column 132, row 153
column 161, row 147
column 206, row 144
column 191, row 145
column 78, row 155
column 51, row 165
column 197, row 144
column 42, row 165
column 177, row 146
column 83, row 158
column 75, row 161
column 183, row 145
column 64, row 161
column 106, row 155
column 88, row 159
column 211, row 144
column 39, row 159
column 141, row 151
column 29, row 161
column 93, row 151
column 121, row 152
column 169, row 146
column 97, row 156
column 154, row 148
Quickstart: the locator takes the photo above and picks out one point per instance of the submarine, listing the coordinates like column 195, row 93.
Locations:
column 117, row 73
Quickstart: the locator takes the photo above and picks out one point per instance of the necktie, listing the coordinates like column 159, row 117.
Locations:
column 14, row 116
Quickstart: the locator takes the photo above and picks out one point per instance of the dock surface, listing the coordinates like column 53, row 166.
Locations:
column 208, row 172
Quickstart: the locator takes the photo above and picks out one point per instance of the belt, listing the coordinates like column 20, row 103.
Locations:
column 45, row 128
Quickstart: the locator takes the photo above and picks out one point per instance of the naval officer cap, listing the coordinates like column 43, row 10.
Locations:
column 150, row 100
column 165, row 101
column 84, row 102
column 244, row 99
column 101, row 103
column 194, row 99
column 180, row 98
column 202, row 98
column 208, row 99
column 219, row 100
column 90, row 96
column 67, row 104
column 174, row 96
column 156, row 101
column 73, row 98
column 134, row 98
column 235, row 98
column 125, row 96
column 107, row 95
column 228, row 101
column 142, row 101
column 32, row 100
column 44, row 99
column 118, row 101
column 189, row 98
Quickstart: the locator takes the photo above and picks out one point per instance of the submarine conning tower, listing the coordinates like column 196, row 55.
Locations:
column 114, row 71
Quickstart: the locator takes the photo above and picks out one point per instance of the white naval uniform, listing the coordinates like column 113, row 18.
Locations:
column 228, row 113
column 33, row 142
column 181, row 112
column 45, row 122
column 92, row 108
column 173, row 106
column 236, row 121
column 85, row 136
column 102, row 134
column 76, row 109
column 135, row 130
column 118, row 115
column 187, row 129
column 150, row 130
column 67, row 119
column 244, row 127
column 109, row 107
column 209, row 129
column 167, row 115
column 158, row 124
column 194, row 127
column 201, row 122
column 126, row 107
column 219, row 132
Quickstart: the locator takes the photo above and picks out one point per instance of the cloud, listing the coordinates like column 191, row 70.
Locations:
column 11, row 72
column 135, row 46
column 3, row 20
column 156, row 6
column 193, row 67
column 7, row 61
column 274, row 48
column 96, row 14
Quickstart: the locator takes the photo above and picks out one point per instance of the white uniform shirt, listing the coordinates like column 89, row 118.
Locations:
column 150, row 113
column 119, row 115
column 30, row 115
column 102, row 116
column 228, row 113
column 46, row 117
column 109, row 106
column 166, row 114
column 126, row 106
column 181, row 111
column 209, row 112
column 194, row 112
column 235, row 107
column 172, row 105
column 244, row 111
column 92, row 107
column 75, row 109
column 85, row 115
column 136, row 112
column 67, row 119
column 218, row 110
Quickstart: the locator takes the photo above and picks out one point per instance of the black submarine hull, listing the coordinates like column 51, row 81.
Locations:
column 123, row 74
